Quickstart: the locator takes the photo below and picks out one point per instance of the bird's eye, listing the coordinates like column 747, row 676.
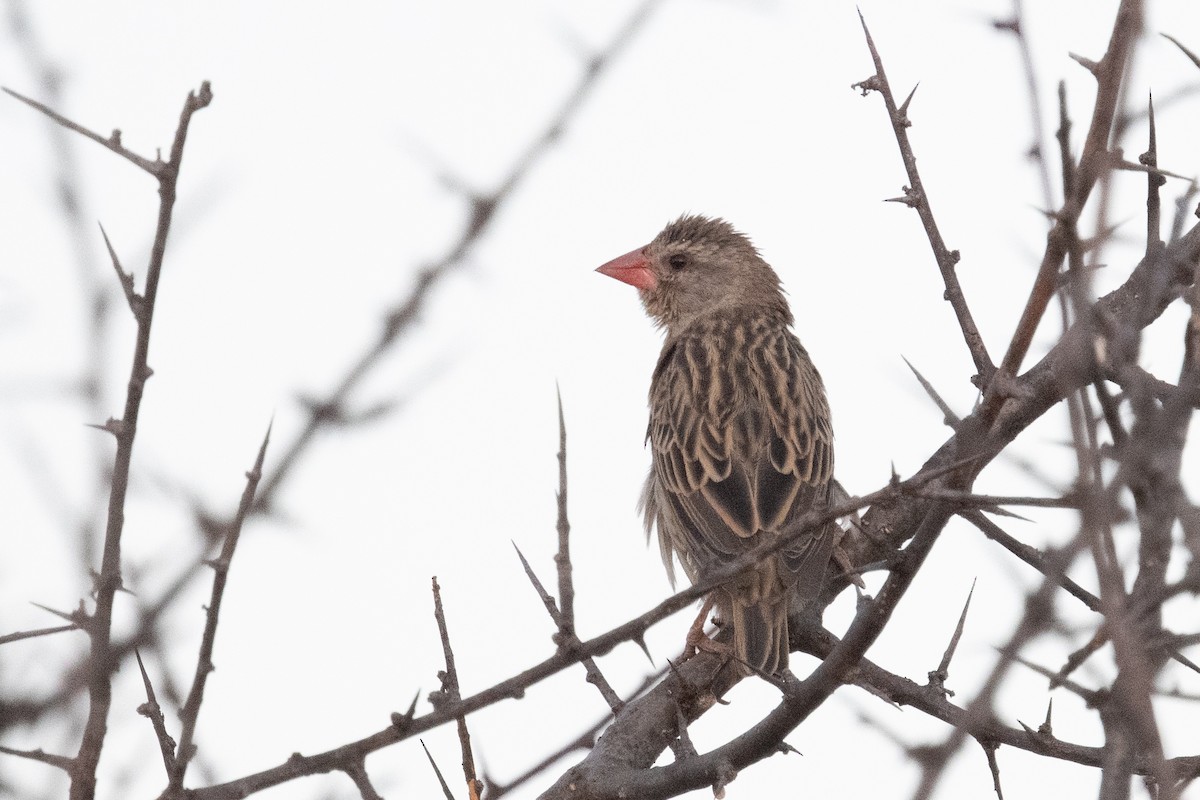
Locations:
column 678, row 261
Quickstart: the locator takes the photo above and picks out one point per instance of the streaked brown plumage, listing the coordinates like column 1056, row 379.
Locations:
column 739, row 426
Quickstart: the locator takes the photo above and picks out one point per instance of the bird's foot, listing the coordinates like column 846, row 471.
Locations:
column 698, row 641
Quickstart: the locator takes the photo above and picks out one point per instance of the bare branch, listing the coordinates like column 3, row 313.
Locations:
column 451, row 695
column 62, row 762
column 151, row 710
column 917, row 198
column 111, row 142
column 19, row 635
column 190, row 713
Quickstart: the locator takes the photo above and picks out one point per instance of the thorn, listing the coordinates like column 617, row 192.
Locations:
column 1182, row 659
column 1046, row 729
column 1012, row 25
column 902, row 111
column 401, row 721
column 125, row 278
column 786, row 748
column 937, row 678
column 445, row 788
column 640, row 641
column 951, row 419
column 114, row 426
column 910, row 198
column 76, row 617
column 1091, row 66
column 1004, row 512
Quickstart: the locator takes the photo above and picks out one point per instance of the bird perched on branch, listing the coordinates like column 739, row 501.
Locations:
column 739, row 430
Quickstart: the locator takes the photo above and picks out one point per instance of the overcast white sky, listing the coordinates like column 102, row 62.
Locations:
column 312, row 191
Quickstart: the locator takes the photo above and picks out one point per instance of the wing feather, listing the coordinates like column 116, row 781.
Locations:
column 741, row 444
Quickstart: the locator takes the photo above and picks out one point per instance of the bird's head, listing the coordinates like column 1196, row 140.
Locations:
column 696, row 266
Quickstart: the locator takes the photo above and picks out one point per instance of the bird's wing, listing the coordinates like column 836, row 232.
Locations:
column 741, row 439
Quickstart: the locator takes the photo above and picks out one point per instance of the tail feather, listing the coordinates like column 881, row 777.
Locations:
column 760, row 636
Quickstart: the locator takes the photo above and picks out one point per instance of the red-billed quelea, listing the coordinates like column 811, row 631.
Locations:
column 739, row 428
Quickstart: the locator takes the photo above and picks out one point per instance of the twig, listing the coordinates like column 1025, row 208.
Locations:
column 151, row 710
column 357, row 771
column 62, row 762
column 190, row 713
column 989, row 750
column 970, row 499
column 1016, row 25
column 594, row 676
column 1052, row 568
column 450, row 693
column 112, row 142
column 19, row 635
column 916, row 197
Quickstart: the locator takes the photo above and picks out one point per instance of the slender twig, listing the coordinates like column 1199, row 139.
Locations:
column 989, row 750
column 1016, row 25
column 62, row 762
column 916, row 197
column 19, row 635
column 152, row 711
column 1048, row 566
column 357, row 771
column 190, row 713
column 594, row 675
column 970, row 499
column 451, row 694
column 157, row 167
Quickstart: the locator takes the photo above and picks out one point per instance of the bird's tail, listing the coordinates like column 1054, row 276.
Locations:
column 760, row 636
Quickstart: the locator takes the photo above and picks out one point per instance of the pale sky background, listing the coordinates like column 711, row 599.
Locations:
column 311, row 194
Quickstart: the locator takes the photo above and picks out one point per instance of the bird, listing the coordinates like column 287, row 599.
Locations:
column 739, row 432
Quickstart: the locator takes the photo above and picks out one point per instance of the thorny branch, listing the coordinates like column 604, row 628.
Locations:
column 108, row 579
column 916, row 197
